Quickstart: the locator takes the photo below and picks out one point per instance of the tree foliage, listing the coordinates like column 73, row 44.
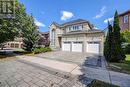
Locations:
column 30, row 34
column 126, row 36
column 44, row 40
column 22, row 25
column 107, row 44
column 9, row 28
column 112, row 49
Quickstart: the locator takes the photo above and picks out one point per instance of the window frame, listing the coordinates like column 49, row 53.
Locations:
column 126, row 19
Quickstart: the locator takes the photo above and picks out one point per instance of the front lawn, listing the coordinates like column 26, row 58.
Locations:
column 122, row 67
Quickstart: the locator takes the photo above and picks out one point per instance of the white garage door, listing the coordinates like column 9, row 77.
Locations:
column 66, row 46
column 77, row 47
column 93, row 47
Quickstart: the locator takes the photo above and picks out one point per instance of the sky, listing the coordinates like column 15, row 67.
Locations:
column 96, row 12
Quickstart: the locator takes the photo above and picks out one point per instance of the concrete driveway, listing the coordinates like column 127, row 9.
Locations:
column 72, row 57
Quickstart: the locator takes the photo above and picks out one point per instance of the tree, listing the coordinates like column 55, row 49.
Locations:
column 108, row 41
column 30, row 34
column 9, row 28
column 44, row 40
column 126, row 36
column 118, row 51
column 113, row 51
column 7, row 31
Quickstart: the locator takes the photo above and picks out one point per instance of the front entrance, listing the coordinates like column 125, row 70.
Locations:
column 59, row 39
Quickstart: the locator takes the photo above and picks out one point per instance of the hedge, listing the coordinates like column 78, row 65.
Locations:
column 42, row 50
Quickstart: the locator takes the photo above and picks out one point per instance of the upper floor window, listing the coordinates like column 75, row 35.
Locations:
column 126, row 19
column 74, row 28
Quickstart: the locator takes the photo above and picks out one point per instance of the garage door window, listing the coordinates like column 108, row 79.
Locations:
column 67, row 42
column 93, row 42
column 77, row 46
column 77, row 42
column 66, row 46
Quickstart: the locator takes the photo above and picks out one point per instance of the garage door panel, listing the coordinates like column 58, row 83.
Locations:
column 77, row 47
column 93, row 48
column 66, row 46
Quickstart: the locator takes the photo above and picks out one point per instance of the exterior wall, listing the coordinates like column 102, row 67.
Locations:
column 86, row 26
column 75, row 38
column 85, row 38
column 58, row 32
column 79, row 37
column 124, row 25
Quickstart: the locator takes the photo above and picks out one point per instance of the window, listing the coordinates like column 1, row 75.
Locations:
column 53, row 37
column 77, row 42
column 126, row 19
column 74, row 28
column 12, row 45
column 67, row 42
column 16, row 45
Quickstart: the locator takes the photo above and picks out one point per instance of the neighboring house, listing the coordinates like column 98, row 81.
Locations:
column 44, row 39
column 125, row 20
column 17, row 43
column 76, row 36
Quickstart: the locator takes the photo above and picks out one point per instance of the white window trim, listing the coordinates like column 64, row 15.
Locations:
column 74, row 28
column 126, row 20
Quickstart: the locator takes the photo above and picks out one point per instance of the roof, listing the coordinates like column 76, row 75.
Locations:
column 44, row 32
column 124, row 13
column 73, row 22
column 84, row 32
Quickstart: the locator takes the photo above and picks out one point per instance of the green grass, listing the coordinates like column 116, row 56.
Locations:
column 97, row 83
column 123, row 67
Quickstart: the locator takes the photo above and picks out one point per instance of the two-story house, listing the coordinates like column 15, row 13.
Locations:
column 76, row 36
column 125, row 20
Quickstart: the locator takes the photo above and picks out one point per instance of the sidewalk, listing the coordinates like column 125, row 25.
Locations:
column 103, row 74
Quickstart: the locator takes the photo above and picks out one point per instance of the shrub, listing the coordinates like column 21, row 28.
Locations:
column 42, row 50
column 2, row 53
column 127, row 49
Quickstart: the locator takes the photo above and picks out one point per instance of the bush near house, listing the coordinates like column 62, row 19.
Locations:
column 127, row 49
column 125, row 37
column 42, row 50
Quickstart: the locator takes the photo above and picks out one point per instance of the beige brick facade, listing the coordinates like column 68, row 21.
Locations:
column 59, row 35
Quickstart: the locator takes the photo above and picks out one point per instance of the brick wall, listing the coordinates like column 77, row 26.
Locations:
column 123, row 25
